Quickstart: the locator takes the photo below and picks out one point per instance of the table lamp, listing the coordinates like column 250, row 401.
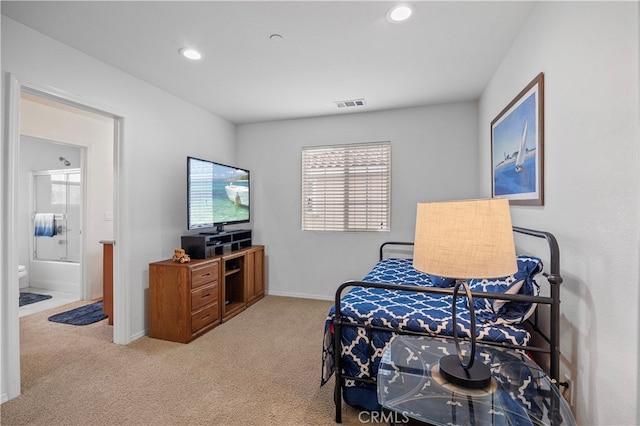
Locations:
column 461, row 240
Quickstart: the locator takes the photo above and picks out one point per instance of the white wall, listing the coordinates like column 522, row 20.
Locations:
column 588, row 52
column 434, row 157
column 160, row 130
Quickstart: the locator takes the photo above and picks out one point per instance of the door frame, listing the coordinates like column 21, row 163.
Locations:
column 8, row 253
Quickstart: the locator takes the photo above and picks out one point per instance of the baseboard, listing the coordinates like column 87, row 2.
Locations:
column 139, row 334
column 299, row 295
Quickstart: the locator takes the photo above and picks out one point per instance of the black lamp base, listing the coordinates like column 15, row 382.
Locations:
column 476, row 377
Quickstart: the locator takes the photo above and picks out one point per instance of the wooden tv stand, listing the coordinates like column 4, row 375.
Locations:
column 188, row 299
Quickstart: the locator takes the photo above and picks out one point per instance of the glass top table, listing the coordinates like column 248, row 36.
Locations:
column 520, row 392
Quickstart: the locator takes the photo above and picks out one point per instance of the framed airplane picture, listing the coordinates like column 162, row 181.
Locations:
column 517, row 142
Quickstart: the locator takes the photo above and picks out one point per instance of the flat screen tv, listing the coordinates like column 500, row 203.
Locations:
column 217, row 195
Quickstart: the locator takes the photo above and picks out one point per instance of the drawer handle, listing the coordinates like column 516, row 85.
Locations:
column 206, row 316
column 206, row 295
column 206, row 275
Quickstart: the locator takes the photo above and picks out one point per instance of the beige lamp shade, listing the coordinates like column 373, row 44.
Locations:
column 465, row 239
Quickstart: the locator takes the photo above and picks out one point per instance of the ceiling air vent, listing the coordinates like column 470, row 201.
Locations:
column 351, row 103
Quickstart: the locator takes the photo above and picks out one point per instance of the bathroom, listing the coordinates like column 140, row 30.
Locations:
column 51, row 179
column 65, row 173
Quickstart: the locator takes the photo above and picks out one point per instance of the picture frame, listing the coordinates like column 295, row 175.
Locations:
column 517, row 147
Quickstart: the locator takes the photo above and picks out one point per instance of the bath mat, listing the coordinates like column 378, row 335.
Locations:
column 83, row 315
column 29, row 298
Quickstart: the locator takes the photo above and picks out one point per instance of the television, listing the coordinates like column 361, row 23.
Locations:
column 217, row 195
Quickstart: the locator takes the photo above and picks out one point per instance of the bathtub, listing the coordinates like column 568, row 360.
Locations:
column 55, row 275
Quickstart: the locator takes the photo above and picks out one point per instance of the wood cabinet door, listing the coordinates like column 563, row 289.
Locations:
column 255, row 274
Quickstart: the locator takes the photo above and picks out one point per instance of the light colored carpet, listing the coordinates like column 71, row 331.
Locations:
column 260, row 368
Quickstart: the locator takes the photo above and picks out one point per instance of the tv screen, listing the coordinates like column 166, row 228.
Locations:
column 217, row 194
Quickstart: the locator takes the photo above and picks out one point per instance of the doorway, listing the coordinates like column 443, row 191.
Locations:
column 21, row 93
column 52, row 259
column 54, row 138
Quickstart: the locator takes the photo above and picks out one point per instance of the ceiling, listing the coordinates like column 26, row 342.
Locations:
column 328, row 50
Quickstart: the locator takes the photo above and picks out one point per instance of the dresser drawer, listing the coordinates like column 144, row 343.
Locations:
column 204, row 295
column 205, row 316
column 204, row 274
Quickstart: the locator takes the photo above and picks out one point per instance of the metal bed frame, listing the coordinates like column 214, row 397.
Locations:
column 552, row 339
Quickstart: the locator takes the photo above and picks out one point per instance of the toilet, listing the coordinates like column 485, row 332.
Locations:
column 22, row 273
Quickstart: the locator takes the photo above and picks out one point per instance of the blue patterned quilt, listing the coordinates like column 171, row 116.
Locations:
column 398, row 310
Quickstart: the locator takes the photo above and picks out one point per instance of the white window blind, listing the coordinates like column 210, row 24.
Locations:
column 346, row 187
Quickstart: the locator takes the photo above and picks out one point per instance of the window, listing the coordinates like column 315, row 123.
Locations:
column 346, row 187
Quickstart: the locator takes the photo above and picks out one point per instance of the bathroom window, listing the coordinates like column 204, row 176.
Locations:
column 346, row 187
column 65, row 189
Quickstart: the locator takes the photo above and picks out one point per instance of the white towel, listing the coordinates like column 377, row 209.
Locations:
column 44, row 225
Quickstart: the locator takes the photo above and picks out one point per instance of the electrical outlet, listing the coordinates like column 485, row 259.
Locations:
column 568, row 391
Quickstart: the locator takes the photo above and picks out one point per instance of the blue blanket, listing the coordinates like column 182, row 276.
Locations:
column 398, row 310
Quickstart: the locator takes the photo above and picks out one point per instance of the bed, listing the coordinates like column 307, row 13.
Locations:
column 394, row 299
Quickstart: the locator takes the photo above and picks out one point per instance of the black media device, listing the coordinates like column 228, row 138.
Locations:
column 202, row 246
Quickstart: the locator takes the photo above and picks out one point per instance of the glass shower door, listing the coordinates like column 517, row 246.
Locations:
column 58, row 192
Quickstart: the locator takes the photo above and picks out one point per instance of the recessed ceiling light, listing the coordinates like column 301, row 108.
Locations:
column 190, row 53
column 400, row 12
